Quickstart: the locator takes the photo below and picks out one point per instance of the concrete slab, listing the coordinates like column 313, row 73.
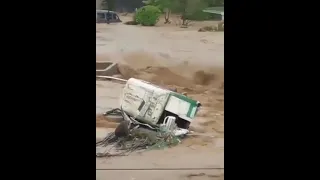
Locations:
column 106, row 68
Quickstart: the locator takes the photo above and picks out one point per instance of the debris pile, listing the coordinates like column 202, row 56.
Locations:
column 132, row 135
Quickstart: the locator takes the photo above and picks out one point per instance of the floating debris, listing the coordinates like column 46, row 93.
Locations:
column 132, row 136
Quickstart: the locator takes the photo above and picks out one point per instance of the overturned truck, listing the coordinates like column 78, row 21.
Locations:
column 151, row 104
column 153, row 117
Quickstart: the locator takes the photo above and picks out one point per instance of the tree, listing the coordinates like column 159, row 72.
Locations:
column 164, row 5
column 148, row 15
column 189, row 9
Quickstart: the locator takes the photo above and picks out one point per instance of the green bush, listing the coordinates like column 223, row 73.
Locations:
column 148, row 15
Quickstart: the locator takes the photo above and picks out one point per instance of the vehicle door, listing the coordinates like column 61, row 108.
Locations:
column 101, row 17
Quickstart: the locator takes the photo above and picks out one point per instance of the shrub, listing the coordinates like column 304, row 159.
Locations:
column 148, row 15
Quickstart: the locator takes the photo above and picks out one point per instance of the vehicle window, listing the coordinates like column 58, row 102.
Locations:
column 101, row 15
column 109, row 16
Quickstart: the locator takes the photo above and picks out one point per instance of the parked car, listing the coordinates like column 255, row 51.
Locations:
column 105, row 16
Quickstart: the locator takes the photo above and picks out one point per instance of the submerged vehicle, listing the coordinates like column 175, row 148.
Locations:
column 154, row 105
column 106, row 16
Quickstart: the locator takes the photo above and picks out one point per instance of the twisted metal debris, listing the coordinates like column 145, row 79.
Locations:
column 140, row 137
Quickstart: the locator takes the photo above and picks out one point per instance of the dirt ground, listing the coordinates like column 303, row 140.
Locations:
column 183, row 58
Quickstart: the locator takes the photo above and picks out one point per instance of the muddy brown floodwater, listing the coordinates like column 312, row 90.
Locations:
column 190, row 61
